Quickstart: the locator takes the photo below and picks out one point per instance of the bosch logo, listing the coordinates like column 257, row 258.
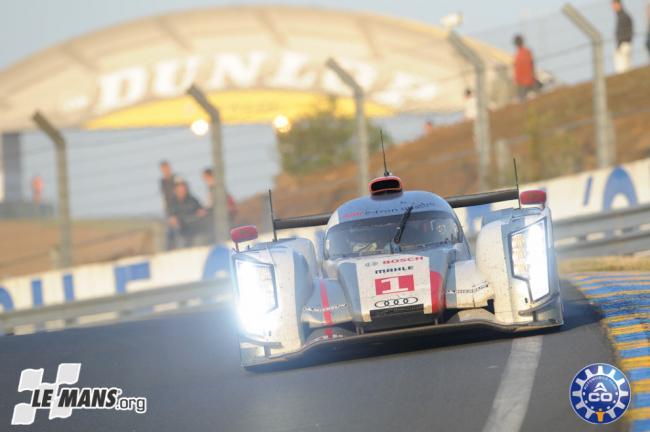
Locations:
column 403, row 301
column 600, row 393
column 403, row 260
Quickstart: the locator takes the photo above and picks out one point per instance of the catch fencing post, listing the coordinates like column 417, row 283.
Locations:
column 605, row 142
column 362, row 131
column 65, row 234
column 219, row 198
column 482, row 119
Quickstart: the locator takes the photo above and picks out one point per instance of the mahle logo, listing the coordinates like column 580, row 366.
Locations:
column 61, row 401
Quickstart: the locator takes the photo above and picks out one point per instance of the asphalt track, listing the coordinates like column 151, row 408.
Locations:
column 187, row 365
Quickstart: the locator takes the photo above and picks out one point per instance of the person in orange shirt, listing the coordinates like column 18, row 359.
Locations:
column 37, row 190
column 524, row 69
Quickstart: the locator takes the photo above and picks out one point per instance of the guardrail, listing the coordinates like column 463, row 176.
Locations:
column 120, row 306
column 622, row 231
column 614, row 232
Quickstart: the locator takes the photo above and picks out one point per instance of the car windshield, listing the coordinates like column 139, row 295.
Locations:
column 373, row 236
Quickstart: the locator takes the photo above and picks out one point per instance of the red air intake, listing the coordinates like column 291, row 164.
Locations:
column 243, row 233
column 534, row 196
column 385, row 185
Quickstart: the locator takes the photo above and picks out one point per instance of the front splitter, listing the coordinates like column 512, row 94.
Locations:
column 409, row 332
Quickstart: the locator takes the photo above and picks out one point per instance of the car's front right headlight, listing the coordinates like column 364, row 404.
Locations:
column 528, row 248
column 257, row 295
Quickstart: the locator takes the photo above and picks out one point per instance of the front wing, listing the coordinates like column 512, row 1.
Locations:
column 339, row 337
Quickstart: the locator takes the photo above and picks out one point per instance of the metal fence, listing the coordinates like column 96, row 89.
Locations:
column 562, row 50
column 206, row 294
column 614, row 232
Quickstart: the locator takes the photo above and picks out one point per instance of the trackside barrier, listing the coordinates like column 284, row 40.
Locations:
column 613, row 232
column 117, row 307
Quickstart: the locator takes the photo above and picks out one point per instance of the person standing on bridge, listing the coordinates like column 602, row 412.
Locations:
column 37, row 191
column 428, row 127
column 187, row 215
column 208, row 179
column 524, row 69
column 624, row 34
column 167, row 191
column 470, row 105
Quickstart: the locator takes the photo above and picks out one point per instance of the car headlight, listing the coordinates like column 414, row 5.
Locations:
column 529, row 258
column 257, row 295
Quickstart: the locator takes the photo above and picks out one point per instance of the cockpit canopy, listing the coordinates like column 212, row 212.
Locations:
column 373, row 236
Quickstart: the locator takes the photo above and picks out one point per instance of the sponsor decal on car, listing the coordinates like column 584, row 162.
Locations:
column 473, row 289
column 391, row 277
column 403, row 259
column 393, row 269
column 394, row 284
column 329, row 308
column 400, row 301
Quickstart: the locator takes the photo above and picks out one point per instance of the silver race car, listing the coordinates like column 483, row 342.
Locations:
column 395, row 263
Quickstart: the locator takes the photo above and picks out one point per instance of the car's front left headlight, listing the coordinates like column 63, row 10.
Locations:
column 528, row 248
column 257, row 295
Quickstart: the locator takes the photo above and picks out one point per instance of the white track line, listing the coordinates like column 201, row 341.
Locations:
column 511, row 401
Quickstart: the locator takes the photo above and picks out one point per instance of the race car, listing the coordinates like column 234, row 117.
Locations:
column 395, row 263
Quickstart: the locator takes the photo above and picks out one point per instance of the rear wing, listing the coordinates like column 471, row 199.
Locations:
column 483, row 198
column 454, row 202
column 301, row 221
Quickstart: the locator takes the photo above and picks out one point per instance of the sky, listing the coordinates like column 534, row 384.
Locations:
column 115, row 173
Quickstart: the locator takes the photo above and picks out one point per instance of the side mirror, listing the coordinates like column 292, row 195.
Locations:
column 243, row 234
column 532, row 197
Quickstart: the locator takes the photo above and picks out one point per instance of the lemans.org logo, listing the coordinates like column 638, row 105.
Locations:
column 61, row 401
column 600, row 393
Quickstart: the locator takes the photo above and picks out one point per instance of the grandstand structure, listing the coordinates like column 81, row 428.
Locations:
column 256, row 61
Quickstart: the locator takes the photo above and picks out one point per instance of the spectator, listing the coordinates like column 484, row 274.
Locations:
column 428, row 127
column 624, row 33
column 37, row 190
column 524, row 69
column 470, row 105
column 187, row 216
column 167, row 191
column 208, row 179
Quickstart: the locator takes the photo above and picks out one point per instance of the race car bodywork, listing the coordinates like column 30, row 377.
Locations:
column 395, row 263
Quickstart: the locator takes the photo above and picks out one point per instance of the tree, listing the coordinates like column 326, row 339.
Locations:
column 323, row 140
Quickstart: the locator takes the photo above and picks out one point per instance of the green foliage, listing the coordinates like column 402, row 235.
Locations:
column 323, row 140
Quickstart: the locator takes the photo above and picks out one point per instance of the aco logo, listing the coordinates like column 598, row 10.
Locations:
column 600, row 393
